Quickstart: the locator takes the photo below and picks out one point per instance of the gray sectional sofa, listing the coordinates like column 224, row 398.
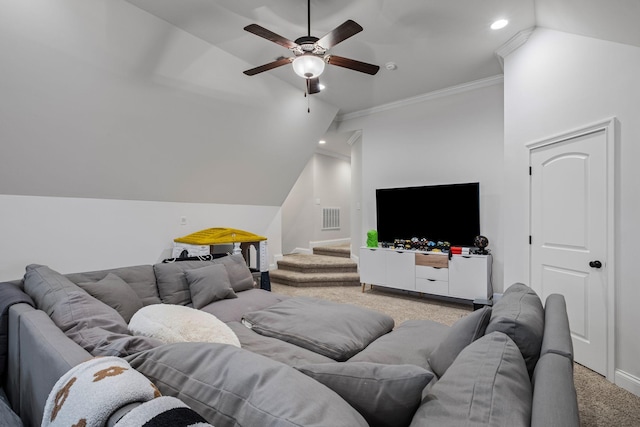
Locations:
column 301, row 361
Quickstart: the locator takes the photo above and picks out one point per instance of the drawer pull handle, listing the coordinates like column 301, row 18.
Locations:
column 431, row 280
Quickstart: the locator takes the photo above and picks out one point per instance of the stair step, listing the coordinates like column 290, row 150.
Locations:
column 340, row 251
column 306, row 263
column 294, row 278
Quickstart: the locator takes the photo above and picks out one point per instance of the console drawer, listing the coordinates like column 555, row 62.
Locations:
column 430, row 286
column 433, row 273
column 432, row 260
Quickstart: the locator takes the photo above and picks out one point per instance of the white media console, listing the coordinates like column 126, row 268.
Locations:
column 465, row 277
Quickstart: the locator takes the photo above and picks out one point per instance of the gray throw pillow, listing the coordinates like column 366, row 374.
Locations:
column 487, row 385
column 172, row 283
column 520, row 315
column 239, row 274
column 116, row 293
column 209, row 284
column 229, row 386
column 462, row 333
column 385, row 395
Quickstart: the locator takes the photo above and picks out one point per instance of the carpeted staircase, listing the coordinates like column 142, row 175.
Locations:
column 327, row 266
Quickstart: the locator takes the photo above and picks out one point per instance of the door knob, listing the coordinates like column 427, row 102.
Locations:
column 595, row 264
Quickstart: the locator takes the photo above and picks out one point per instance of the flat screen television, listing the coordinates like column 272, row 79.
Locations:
column 448, row 213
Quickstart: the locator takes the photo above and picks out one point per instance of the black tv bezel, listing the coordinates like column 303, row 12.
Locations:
column 412, row 214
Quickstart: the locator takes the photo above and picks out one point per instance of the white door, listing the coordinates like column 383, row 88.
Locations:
column 569, row 206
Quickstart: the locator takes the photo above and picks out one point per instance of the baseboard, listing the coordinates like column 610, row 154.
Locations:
column 302, row 251
column 628, row 382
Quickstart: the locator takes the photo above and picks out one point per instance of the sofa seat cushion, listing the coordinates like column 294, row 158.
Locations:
column 486, row 385
column 141, row 278
column 262, row 392
column 335, row 330
column 410, row 343
column 176, row 323
column 385, row 395
column 520, row 315
column 229, row 310
column 465, row 331
column 276, row 349
column 116, row 293
column 209, row 284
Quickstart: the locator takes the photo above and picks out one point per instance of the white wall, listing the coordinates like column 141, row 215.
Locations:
column 557, row 82
column 73, row 234
column 444, row 139
column 324, row 182
column 103, row 100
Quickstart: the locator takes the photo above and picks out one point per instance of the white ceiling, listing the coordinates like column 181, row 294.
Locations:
column 435, row 44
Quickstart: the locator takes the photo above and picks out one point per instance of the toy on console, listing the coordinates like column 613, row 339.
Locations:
column 481, row 242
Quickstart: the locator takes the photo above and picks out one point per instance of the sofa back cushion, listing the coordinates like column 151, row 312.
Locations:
column 465, row 331
column 116, row 293
column 141, row 278
column 385, row 395
column 239, row 274
column 93, row 325
column 172, row 282
column 486, row 385
column 520, row 315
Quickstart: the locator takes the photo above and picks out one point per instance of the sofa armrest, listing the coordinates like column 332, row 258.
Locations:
column 554, row 394
column 45, row 354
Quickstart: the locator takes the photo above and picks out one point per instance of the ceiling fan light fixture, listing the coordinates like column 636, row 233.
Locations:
column 308, row 66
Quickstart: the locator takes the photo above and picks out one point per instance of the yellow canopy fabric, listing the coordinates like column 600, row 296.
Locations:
column 218, row 236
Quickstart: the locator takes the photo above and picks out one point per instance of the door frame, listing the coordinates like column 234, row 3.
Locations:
column 609, row 126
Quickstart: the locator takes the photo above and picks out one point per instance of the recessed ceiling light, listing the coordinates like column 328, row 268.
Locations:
column 322, row 141
column 500, row 23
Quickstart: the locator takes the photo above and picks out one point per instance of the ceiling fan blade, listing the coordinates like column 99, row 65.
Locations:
column 340, row 33
column 269, row 66
column 313, row 86
column 352, row 64
column 270, row 35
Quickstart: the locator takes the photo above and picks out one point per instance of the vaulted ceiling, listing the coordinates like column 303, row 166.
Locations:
column 434, row 44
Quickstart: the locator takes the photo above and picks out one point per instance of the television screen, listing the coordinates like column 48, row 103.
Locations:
column 448, row 213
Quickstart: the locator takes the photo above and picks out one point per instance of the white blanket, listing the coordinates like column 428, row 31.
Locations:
column 171, row 323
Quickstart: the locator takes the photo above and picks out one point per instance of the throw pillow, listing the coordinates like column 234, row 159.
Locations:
column 116, row 293
column 209, row 284
column 239, row 274
column 172, row 283
column 487, row 385
column 177, row 323
column 520, row 315
column 385, row 395
column 462, row 333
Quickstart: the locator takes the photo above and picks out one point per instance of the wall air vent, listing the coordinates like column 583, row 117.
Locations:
column 330, row 218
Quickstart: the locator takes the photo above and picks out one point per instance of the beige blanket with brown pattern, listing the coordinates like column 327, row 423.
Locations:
column 90, row 393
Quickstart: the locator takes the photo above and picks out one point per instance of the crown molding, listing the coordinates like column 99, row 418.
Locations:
column 332, row 154
column 512, row 44
column 464, row 87
column 354, row 137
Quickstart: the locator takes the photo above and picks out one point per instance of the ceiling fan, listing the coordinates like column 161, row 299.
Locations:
column 310, row 53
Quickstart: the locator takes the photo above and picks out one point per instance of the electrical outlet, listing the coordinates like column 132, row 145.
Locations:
column 183, row 220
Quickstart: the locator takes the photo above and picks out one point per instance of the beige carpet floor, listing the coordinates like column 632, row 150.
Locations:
column 600, row 402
